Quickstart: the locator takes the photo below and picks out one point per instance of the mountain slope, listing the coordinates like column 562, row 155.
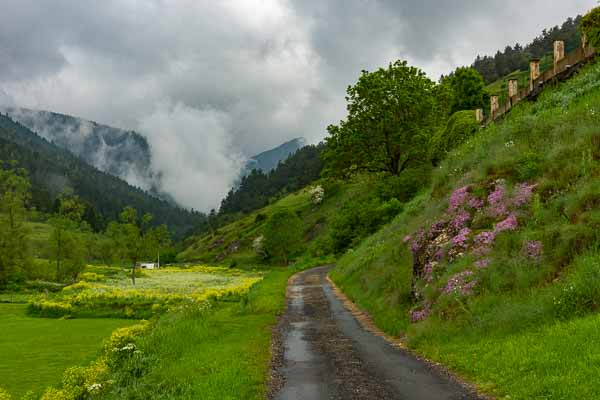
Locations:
column 489, row 270
column 268, row 160
column 124, row 154
column 52, row 169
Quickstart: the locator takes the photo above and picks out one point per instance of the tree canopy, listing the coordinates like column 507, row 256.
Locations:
column 391, row 114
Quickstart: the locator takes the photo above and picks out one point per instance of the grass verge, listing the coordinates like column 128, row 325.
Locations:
column 35, row 351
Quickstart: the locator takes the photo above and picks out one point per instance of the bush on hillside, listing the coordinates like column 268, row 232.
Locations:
column 405, row 186
column 461, row 126
column 282, row 235
column 590, row 26
column 359, row 218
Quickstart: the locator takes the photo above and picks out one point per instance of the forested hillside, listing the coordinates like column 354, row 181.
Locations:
column 258, row 187
column 124, row 154
column 515, row 58
column 52, row 170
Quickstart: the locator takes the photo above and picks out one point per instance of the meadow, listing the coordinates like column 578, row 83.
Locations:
column 35, row 351
column 39, row 349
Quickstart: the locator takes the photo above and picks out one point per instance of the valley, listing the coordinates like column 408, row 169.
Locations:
column 442, row 240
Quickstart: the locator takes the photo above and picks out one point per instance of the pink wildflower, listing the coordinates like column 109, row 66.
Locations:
column 533, row 248
column 483, row 263
column 523, row 194
column 461, row 239
column 419, row 315
column 407, row 238
column 458, row 198
column 509, row 224
column 497, row 201
column 485, row 238
column 476, row 203
column 461, row 220
column 458, row 283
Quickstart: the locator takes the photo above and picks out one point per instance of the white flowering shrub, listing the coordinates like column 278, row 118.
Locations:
column 317, row 194
column 258, row 245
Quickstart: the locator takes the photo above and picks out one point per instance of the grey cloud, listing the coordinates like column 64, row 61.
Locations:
column 235, row 77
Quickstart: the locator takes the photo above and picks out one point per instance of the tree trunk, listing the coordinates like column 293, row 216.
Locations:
column 133, row 274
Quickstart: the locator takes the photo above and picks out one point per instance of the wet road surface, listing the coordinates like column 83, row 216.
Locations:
column 326, row 354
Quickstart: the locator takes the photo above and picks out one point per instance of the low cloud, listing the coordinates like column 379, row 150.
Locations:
column 192, row 153
column 258, row 72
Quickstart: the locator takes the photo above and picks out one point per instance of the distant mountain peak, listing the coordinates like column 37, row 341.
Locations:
column 268, row 160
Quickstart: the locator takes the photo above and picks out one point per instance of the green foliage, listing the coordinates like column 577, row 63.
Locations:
column 14, row 244
column 468, row 89
column 459, row 128
column 51, row 169
column 258, row 188
column 66, row 247
column 283, row 235
column 517, row 57
column 590, row 26
column 580, row 294
column 391, row 113
column 543, row 269
column 36, row 351
column 360, row 218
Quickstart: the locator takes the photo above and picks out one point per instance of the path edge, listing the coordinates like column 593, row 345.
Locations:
column 366, row 322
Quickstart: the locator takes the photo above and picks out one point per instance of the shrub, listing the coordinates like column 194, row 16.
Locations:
column 46, row 308
column 4, row 395
column 590, row 26
column 91, row 277
column 460, row 126
column 283, row 235
column 360, row 218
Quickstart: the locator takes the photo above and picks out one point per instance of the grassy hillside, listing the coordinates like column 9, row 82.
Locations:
column 233, row 243
column 505, row 247
column 500, row 87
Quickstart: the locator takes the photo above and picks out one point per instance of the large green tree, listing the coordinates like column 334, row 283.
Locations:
column 67, row 247
column 14, row 243
column 391, row 114
column 282, row 235
column 468, row 89
column 131, row 237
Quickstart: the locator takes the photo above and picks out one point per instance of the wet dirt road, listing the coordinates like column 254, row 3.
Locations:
column 322, row 352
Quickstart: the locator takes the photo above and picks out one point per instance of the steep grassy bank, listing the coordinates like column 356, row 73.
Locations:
column 232, row 244
column 504, row 249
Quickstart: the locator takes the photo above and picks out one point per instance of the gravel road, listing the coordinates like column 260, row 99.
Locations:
column 322, row 352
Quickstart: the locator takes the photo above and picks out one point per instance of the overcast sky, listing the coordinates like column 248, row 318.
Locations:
column 210, row 82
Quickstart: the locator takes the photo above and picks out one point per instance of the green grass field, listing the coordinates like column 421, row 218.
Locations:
column 220, row 354
column 35, row 351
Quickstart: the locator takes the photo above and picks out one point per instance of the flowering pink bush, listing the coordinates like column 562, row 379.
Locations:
column 458, row 283
column 461, row 239
column 509, row 224
column 461, row 219
column 419, row 315
column 523, row 194
column 459, row 198
column 451, row 237
column 533, row 248
column 497, row 201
